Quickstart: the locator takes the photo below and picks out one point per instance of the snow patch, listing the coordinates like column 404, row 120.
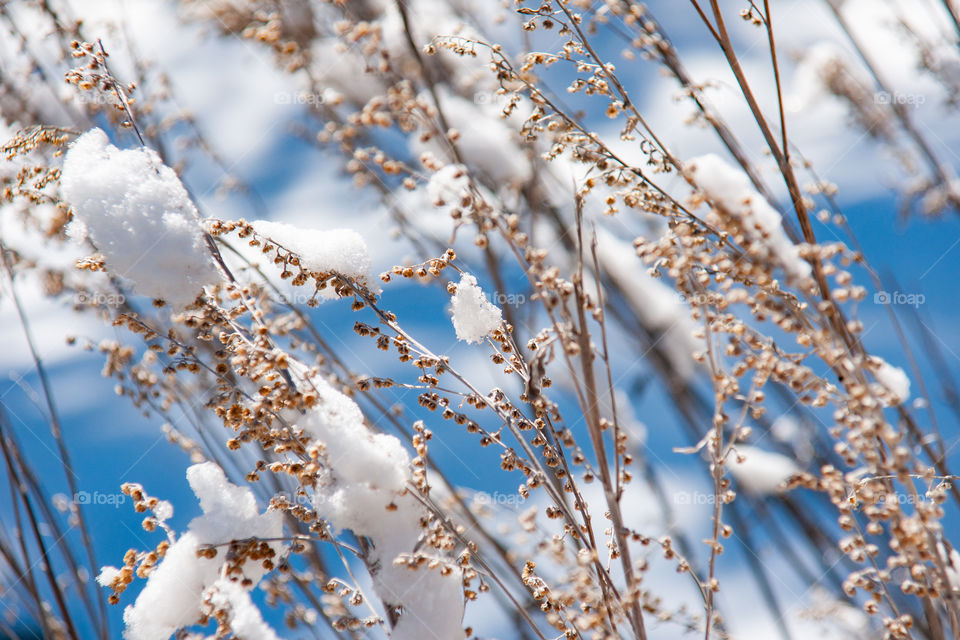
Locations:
column 894, row 379
column 341, row 251
column 174, row 591
column 138, row 215
column 760, row 472
column 245, row 618
column 364, row 490
column 107, row 575
column 474, row 317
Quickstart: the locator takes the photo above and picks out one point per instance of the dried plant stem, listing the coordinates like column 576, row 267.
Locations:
column 100, row 618
column 944, row 176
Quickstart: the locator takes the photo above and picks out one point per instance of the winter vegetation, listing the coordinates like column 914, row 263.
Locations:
column 433, row 319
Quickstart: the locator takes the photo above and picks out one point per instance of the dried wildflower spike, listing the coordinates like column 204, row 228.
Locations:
column 192, row 563
column 327, row 253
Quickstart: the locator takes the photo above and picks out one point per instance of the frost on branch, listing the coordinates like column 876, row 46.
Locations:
column 364, row 489
column 136, row 212
column 893, row 379
column 730, row 189
column 474, row 317
column 177, row 588
column 340, row 251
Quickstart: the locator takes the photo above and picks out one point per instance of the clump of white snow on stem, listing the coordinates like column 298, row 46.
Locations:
column 730, row 189
column 474, row 317
column 760, row 472
column 341, row 251
column 894, row 379
column 174, row 591
column 136, row 212
column 365, row 490
column 107, row 575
